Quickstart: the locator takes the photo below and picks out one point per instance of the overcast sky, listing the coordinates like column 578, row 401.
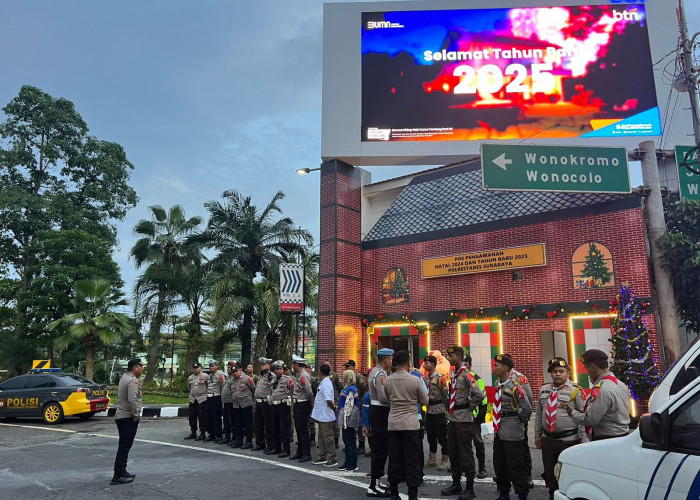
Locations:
column 204, row 95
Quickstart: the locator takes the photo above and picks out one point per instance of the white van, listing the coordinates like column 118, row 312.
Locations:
column 659, row 460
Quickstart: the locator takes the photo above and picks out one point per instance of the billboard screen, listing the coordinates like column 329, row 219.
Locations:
column 507, row 73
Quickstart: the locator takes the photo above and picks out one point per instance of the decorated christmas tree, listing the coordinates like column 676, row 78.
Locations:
column 400, row 287
column 595, row 267
column 633, row 361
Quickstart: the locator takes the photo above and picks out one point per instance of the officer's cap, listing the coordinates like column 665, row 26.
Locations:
column 213, row 362
column 385, row 351
column 556, row 363
column 298, row 360
column 133, row 362
column 234, row 366
column 593, row 356
column 504, row 359
column 430, row 359
column 264, row 361
column 456, row 349
column 196, row 365
column 278, row 364
column 349, row 363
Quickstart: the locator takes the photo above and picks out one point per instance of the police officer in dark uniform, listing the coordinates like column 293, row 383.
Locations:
column 281, row 400
column 555, row 430
column 263, row 411
column 511, row 409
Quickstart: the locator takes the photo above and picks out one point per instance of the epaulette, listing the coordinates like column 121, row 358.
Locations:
column 576, row 391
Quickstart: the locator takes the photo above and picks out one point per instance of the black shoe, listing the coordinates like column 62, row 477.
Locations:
column 210, row 438
column 201, row 437
column 368, row 453
column 121, row 480
column 284, row 454
column 454, row 489
column 258, row 448
column 467, row 494
column 235, row 444
column 225, row 441
column 361, row 450
column 127, row 474
column 247, row 446
column 530, row 483
column 304, row 458
column 296, row 456
column 191, row 436
column 481, row 474
column 272, row 452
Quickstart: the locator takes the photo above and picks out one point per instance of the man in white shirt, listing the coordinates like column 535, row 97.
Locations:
column 324, row 414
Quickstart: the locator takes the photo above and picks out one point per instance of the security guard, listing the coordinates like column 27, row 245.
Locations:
column 214, row 410
column 281, row 399
column 511, row 409
column 465, row 396
column 227, row 401
column 435, row 419
column 302, row 397
column 555, row 430
column 378, row 420
column 127, row 416
column 263, row 412
column 242, row 395
column 606, row 412
column 197, row 383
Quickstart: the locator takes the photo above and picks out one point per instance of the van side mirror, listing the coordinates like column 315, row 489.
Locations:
column 651, row 429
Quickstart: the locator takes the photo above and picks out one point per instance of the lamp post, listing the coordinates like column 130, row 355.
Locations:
column 304, row 171
column 172, row 352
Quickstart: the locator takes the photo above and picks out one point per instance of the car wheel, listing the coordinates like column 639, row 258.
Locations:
column 86, row 416
column 53, row 413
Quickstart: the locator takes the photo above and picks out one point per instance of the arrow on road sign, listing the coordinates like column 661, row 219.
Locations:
column 502, row 161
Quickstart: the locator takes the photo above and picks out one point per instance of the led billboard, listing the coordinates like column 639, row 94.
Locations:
column 554, row 72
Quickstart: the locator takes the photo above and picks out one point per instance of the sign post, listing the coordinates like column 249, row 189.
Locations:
column 689, row 182
column 292, row 288
column 507, row 167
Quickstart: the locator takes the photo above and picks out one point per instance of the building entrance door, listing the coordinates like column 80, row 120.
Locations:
column 404, row 343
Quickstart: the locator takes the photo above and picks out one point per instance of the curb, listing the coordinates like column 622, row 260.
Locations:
column 158, row 411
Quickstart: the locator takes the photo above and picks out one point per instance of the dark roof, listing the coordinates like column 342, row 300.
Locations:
column 451, row 202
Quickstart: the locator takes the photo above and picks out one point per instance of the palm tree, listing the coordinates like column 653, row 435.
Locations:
column 254, row 241
column 163, row 247
column 95, row 322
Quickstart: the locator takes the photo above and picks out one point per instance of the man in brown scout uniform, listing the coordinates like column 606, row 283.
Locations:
column 555, row 430
column 511, row 409
column 606, row 412
column 465, row 396
column 197, row 383
column 302, row 397
column 242, row 391
column 435, row 419
column 281, row 400
column 129, row 406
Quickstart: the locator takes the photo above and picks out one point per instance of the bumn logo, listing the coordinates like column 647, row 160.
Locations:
column 627, row 15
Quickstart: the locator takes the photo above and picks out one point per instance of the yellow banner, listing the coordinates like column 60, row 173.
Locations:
column 41, row 363
column 484, row 262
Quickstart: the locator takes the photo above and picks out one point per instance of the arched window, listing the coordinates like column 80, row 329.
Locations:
column 395, row 286
column 592, row 267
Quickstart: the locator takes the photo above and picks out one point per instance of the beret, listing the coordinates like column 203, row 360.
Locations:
column 556, row 363
column 504, row 359
column 593, row 356
column 455, row 349
column 385, row 351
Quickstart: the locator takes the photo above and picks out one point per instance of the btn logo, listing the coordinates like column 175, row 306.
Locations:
column 22, row 403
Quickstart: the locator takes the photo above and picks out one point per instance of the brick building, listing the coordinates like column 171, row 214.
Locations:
column 430, row 260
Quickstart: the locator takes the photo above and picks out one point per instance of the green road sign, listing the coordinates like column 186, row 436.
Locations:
column 554, row 168
column 689, row 181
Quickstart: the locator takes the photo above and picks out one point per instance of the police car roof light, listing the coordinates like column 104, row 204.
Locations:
column 44, row 370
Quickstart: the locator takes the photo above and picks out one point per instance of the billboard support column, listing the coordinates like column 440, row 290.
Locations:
column 665, row 297
column 688, row 70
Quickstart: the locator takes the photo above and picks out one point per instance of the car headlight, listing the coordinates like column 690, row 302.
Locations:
column 557, row 471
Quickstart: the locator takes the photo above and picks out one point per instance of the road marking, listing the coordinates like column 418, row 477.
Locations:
column 342, row 477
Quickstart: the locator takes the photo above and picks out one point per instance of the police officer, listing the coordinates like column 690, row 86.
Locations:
column 465, row 396
column 214, row 410
column 242, row 396
column 302, row 397
column 197, row 384
column 379, row 420
column 606, row 412
column 511, row 409
column 405, row 393
column 129, row 405
column 435, row 419
column 281, row 399
column 479, row 418
column 227, row 401
column 523, row 382
column 555, row 430
column 361, row 389
column 263, row 412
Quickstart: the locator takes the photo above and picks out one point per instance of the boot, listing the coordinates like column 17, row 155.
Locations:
column 468, row 493
column 432, row 460
column 503, row 495
column 361, row 449
column 454, row 489
column 412, row 493
column 444, row 463
column 482, row 473
column 201, row 437
column 191, row 435
column 395, row 491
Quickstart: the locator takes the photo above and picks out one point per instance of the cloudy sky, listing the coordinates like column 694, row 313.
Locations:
column 204, row 95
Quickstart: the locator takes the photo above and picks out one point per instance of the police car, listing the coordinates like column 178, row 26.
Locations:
column 661, row 459
column 52, row 395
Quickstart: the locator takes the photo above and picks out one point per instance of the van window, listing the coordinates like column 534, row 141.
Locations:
column 685, row 430
column 682, row 379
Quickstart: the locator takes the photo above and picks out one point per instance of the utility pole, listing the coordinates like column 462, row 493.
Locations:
column 665, row 298
column 690, row 72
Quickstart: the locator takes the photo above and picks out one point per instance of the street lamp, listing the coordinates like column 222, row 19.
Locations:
column 172, row 353
column 304, row 171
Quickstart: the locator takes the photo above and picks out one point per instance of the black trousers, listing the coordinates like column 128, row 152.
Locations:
column 242, row 424
column 302, row 411
column 127, row 432
column 198, row 412
column 551, row 448
column 526, row 453
column 459, row 439
column 214, row 416
column 263, row 421
column 509, row 465
column 436, row 428
column 282, row 422
column 404, row 463
column 228, row 420
column 479, row 445
column 379, row 420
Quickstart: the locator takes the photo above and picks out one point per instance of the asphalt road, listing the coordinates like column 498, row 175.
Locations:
column 74, row 460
